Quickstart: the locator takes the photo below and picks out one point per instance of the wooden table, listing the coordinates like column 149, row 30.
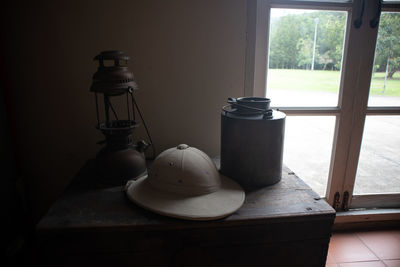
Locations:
column 286, row 224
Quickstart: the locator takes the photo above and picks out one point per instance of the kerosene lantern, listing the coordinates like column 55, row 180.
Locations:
column 121, row 159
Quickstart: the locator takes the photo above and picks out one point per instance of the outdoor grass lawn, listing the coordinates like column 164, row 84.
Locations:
column 326, row 81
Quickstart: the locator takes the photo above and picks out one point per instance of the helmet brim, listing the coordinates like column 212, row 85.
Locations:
column 219, row 204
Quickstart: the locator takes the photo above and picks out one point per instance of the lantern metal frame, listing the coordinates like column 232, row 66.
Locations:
column 120, row 157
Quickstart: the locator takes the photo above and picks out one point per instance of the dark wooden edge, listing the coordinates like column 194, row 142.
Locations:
column 366, row 226
column 185, row 225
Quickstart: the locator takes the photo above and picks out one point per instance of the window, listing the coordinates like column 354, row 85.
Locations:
column 337, row 77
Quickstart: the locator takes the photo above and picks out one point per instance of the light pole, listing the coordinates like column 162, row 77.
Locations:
column 316, row 20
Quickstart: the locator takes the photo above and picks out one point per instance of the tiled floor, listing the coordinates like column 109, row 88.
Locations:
column 365, row 249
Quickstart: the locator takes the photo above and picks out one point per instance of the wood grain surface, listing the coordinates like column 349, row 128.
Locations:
column 93, row 223
column 87, row 205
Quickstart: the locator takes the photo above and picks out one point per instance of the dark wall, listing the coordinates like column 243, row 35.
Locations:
column 187, row 57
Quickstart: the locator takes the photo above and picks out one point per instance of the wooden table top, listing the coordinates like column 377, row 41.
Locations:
column 87, row 206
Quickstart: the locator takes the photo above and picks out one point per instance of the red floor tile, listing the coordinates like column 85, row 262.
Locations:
column 329, row 258
column 384, row 244
column 349, row 248
column 363, row 264
column 392, row 263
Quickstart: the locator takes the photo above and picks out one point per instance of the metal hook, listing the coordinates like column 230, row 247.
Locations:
column 358, row 21
column 375, row 21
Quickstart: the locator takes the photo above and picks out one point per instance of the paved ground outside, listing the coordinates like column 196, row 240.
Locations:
column 308, row 143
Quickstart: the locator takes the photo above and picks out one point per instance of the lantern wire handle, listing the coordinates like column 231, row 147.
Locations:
column 128, row 106
column 113, row 110
column 130, row 91
column 133, row 108
column 97, row 110
column 145, row 126
column 107, row 109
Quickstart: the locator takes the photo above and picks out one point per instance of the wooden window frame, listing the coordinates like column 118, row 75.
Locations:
column 352, row 109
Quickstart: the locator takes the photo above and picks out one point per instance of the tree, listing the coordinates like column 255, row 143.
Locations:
column 388, row 44
column 292, row 39
column 284, row 37
column 305, row 47
column 331, row 38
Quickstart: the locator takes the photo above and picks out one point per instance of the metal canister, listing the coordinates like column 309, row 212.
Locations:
column 252, row 138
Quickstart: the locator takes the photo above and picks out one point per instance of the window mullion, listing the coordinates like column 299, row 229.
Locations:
column 257, row 30
column 344, row 122
column 368, row 43
column 310, row 111
column 383, row 111
column 353, row 99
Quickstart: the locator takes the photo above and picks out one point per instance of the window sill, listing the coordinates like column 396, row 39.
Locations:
column 363, row 219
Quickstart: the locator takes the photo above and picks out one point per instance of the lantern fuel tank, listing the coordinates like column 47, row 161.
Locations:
column 252, row 137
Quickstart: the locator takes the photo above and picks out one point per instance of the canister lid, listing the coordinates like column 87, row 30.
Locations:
column 249, row 106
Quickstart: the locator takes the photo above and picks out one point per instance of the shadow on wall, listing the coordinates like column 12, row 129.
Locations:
column 187, row 58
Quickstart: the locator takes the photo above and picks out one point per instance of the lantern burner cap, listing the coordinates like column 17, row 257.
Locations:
column 116, row 126
column 111, row 54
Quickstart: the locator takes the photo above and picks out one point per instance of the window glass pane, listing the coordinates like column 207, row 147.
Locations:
column 379, row 164
column 305, row 54
column 385, row 83
column 308, row 147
